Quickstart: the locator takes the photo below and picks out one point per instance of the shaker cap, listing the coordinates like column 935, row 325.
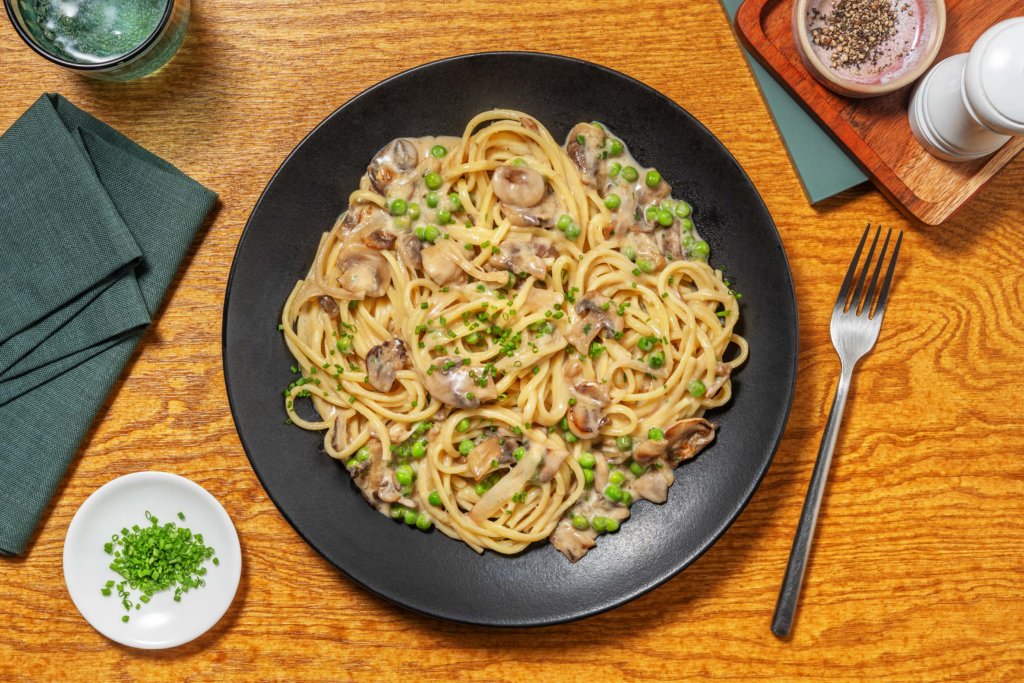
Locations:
column 994, row 77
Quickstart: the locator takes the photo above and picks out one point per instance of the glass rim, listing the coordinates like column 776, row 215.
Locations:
column 16, row 19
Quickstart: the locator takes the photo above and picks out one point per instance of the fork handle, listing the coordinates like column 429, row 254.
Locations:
column 789, row 594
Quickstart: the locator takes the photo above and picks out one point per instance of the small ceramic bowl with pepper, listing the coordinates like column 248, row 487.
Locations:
column 866, row 48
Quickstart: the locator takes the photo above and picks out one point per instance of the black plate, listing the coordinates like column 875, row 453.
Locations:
column 428, row 572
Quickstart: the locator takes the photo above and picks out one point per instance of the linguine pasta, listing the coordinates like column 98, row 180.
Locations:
column 510, row 339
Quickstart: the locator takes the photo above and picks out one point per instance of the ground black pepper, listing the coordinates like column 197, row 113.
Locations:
column 856, row 32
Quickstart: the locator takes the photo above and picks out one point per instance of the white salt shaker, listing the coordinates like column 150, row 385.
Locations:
column 969, row 105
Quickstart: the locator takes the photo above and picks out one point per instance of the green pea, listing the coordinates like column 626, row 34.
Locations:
column 612, row 201
column 655, row 434
column 687, row 224
column 700, row 248
column 419, row 449
column 616, row 477
column 644, row 265
column 480, row 489
column 351, row 463
column 344, row 344
column 517, row 162
column 656, row 359
column 423, row 427
column 636, row 468
column 600, row 524
column 519, row 453
column 665, row 217
column 466, row 446
column 630, row 174
column 363, row 454
column 433, row 180
column 683, row 209
column 629, row 252
column 588, row 477
column 613, row 493
column 614, row 169
column 397, row 512
column 564, row 221
column 404, row 475
column 414, row 211
column 473, row 338
column 463, row 425
column 627, row 498
column 455, row 202
column 580, row 522
column 432, row 200
column 438, row 151
column 573, row 231
column 587, row 460
column 402, row 223
column 398, row 207
column 624, row 443
column 444, row 217
column 615, row 148
column 646, row 343
column 434, row 499
column 421, row 233
column 431, row 232
column 651, row 213
column 410, row 517
column 423, row 521
column 653, row 178
column 611, row 526
column 696, row 388
column 571, row 438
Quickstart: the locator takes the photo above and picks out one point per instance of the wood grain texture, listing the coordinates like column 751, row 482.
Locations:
column 917, row 572
column 875, row 130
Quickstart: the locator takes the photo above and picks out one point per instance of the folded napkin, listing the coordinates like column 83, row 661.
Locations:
column 92, row 230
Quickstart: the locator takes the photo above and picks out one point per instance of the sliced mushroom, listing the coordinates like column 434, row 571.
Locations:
column 586, row 416
column 543, row 247
column 393, row 164
column 379, row 238
column 670, row 243
column 492, row 453
column 639, row 246
column 364, row 272
column 687, row 438
column 553, row 459
column 570, row 541
column 600, row 472
column 722, row 372
column 517, row 256
column 409, row 248
column 456, row 384
column 383, row 361
column 518, row 185
column 645, row 194
column 329, row 306
column 541, row 215
column 653, row 485
column 649, row 450
column 441, row 265
column 380, row 485
column 584, row 148
column 364, row 216
column 597, row 315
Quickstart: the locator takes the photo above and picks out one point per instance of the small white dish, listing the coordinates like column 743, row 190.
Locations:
column 120, row 503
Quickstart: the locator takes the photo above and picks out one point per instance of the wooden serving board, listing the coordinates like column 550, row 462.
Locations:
column 875, row 131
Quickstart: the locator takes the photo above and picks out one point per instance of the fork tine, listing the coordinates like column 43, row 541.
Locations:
column 855, row 297
column 884, row 296
column 848, row 280
column 874, row 277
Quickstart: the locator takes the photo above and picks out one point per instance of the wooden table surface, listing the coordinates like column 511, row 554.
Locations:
column 917, row 571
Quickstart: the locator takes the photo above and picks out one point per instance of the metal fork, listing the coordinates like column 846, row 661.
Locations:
column 854, row 331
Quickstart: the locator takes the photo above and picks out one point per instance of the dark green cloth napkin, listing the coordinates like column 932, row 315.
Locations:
column 92, row 230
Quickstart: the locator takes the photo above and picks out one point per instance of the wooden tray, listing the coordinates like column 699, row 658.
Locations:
column 875, row 131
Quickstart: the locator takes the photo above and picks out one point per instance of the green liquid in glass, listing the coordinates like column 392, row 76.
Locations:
column 93, row 31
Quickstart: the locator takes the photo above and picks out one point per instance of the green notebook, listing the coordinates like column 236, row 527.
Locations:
column 823, row 167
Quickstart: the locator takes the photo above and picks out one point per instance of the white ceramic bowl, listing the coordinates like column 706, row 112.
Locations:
column 161, row 623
